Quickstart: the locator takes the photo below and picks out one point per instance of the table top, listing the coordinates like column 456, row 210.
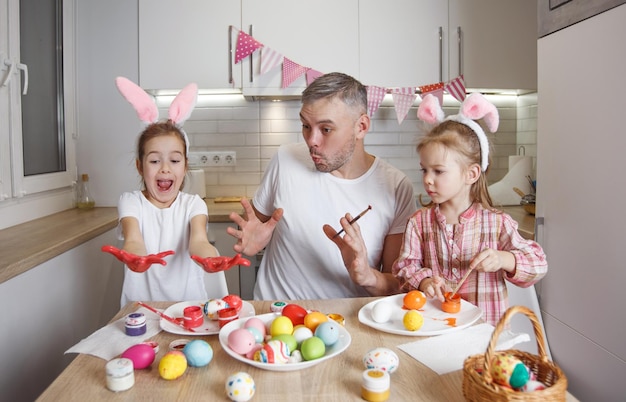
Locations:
column 337, row 379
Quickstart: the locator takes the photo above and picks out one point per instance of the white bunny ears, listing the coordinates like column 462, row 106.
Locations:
column 146, row 108
column 474, row 107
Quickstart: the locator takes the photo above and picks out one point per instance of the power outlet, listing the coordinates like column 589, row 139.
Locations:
column 208, row 159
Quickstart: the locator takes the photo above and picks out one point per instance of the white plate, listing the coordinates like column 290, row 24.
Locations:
column 208, row 327
column 342, row 344
column 435, row 320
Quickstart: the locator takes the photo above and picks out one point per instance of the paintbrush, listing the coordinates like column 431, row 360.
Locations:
column 165, row 316
column 460, row 283
column 354, row 220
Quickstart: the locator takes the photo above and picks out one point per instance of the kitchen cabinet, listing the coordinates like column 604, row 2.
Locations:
column 323, row 36
column 186, row 41
column 416, row 42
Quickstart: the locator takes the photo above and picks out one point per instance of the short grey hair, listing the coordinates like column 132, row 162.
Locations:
column 348, row 89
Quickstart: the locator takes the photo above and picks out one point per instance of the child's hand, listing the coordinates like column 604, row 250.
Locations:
column 137, row 263
column 433, row 287
column 490, row 260
column 217, row 264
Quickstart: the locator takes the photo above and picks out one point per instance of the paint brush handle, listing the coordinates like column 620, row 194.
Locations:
column 165, row 316
column 354, row 220
column 458, row 286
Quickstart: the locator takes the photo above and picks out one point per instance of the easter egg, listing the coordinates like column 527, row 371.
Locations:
column 413, row 320
column 281, row 325
column 381, row 312
column 313, row 319
column 258, row 336
column 142, row 355
column 312, row 348
column 198, row 353
column 233, row 301
column 240, row 387
column 241, row 340
column 328, row 332
column 295, row 313
column 414, row 300
column 301, row 333
column 289, row 340
column 212, row 306
column 274, row 351
column 172, row 365
column 256, row 322
column 382, row 359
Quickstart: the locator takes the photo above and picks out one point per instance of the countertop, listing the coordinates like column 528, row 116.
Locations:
column 525, row 220
column 337, row 379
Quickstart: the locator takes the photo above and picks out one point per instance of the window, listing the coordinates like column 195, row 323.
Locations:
column 36, row 99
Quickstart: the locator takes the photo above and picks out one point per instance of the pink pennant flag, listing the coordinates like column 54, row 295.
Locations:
column 434, row 89
column 269, row 59
column 403, row 99
column 312, row 75
column 291, row 72
column 375, row 96
column 246, row 44
column 456, row 88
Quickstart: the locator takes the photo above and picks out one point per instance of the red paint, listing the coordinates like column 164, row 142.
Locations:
column 193, row 316
column 226, row 315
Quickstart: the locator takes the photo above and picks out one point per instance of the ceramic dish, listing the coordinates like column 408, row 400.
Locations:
column 208, row 327
column 436, row 322
column 342, row 344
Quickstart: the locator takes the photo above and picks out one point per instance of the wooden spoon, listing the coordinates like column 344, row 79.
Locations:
column 519, row 192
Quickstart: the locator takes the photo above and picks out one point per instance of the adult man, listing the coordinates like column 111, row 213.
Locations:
column 309, row 184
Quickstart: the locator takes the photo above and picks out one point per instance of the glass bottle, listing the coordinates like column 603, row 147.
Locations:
column 85, row 200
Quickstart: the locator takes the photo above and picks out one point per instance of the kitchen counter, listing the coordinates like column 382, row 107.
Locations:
column 29, row 244
column 525, row 220
column 219, row 211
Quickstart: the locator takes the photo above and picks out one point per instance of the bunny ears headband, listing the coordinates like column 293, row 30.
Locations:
column 474, row 107
column 146, row 108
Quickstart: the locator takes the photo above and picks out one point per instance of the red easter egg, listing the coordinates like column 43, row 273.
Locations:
column 295, row 313
column 234, row 301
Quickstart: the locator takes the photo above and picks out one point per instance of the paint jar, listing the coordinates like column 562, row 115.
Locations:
column 120, row 374
column 451, row 304
column 193, row 316
column 178, row 344
column 277, row 307
column 375, row 385
column 338, row 318
column 226, row 315
column 135, row 324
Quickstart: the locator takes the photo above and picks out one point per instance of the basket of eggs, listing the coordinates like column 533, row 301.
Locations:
column 513, row 375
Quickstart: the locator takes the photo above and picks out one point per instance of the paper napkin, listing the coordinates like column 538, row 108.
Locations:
column 446, row 353
column 111, row 341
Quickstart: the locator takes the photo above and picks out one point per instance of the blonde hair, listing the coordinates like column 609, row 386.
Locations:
column 463, row 140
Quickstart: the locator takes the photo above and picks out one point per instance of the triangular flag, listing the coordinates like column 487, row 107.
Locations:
column 291, row 72
column 269, row 59
column 375, row 96
column 456, row 88
column 403, row 99
column 312, row 75
column 246, row 44
column 434, row 89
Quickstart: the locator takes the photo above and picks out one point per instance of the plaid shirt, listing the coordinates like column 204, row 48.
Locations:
column 433, row 248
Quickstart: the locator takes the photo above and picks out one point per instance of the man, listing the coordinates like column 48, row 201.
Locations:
column 309, row 184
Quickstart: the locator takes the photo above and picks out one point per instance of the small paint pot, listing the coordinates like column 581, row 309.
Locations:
column 451, row 304
column 226, row 315
column 375, row 385
column 178, row 344
column 277, row 307
column 338, row 318
column 135, row 324
column 120, row 374
column 193, row 316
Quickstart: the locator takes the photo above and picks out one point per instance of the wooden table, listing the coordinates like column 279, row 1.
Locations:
column 337, row 379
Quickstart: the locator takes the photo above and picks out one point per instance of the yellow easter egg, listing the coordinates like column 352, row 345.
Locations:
column 172, row 365
column 413, row 320
column 281, row 325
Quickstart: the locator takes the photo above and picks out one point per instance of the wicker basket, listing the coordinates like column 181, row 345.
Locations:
column 478, row 384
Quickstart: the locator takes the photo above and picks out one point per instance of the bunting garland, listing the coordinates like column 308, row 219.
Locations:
column 403, row 98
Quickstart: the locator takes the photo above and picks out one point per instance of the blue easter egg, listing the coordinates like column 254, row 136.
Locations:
column 198, row 353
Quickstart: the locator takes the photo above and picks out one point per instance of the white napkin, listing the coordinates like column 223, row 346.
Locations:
column 111, row 341
column 446, row 353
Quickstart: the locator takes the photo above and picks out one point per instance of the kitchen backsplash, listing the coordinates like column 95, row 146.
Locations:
column 255, row 129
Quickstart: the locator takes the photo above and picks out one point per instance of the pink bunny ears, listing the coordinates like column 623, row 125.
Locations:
column 146, row 108
column 474, row 107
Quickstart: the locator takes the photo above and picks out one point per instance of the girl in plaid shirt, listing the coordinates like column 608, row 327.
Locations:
column 460, row 229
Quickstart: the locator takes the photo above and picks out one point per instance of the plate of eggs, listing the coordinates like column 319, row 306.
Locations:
column 274, row 342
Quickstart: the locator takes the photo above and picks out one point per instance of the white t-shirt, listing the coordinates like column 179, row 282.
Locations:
column 165, row 229
column 300, row 262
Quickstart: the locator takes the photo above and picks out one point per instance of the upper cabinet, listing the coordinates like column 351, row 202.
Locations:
column 323, row 36
column 493, row 43
column 186, row 41
column 498, row 43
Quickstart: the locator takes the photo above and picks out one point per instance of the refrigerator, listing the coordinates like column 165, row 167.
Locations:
column 581, row 180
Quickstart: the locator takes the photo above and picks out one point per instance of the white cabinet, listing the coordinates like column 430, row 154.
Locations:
column 186, row 41
column 401, row 45
column 323, row 36
column 498, row 45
